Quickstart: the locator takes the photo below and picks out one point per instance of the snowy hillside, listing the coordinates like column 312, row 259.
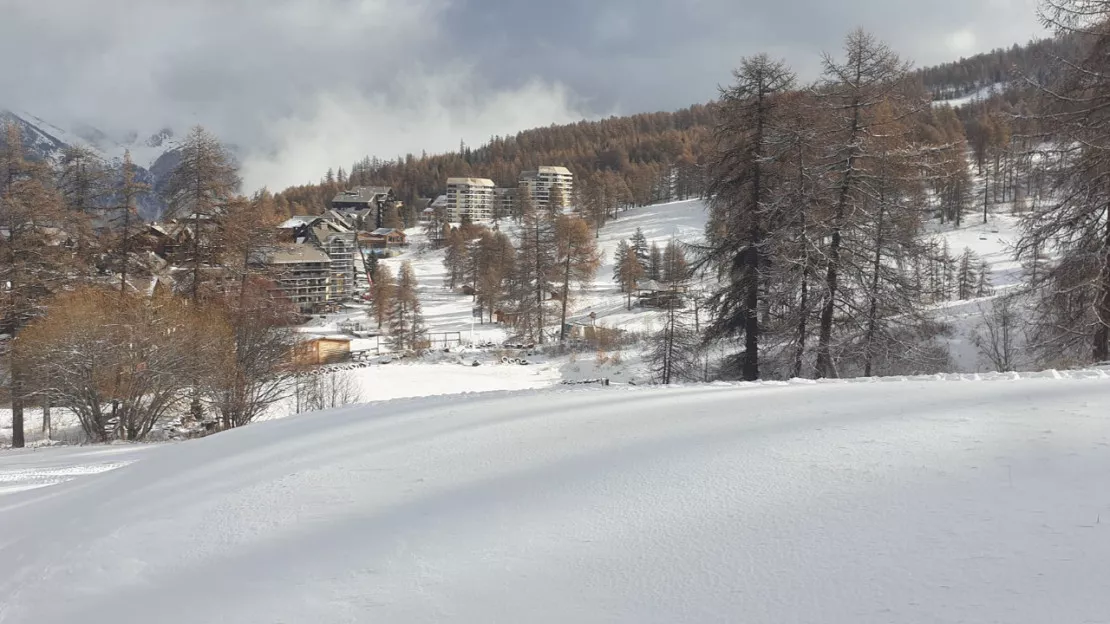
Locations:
column 854, row 503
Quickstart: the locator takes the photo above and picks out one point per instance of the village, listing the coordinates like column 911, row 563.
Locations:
column 320, row 265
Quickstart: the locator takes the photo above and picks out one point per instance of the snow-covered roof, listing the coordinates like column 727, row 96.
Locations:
column 298, row 221
column 292, row 253
column 484, row 182
column 385, row 231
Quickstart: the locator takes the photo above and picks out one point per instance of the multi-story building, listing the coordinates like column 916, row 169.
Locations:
column 504, row 200
column 303, row 274
column 470, row 196
column 540, row 182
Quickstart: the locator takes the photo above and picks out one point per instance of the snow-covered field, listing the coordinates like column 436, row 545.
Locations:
column 897, row 501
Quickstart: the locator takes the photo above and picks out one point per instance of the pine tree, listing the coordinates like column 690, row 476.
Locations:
column 655, row 262
column 983, row 284
column 639, row 246
column 967, row 278
column 620, row 254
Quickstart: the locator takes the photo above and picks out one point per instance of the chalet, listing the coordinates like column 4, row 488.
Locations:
column 652, row 294
column 383, row 238
column 322, row 350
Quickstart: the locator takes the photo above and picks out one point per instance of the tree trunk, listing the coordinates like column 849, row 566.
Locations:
column 1101, row 350
column 566, row 295
column 873, row 308
column 18, row 441
column 46, row 425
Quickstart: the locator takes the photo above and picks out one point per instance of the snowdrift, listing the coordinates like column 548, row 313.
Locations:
column 908, row 501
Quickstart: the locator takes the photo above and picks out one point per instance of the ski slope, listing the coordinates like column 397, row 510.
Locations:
column 896, row 501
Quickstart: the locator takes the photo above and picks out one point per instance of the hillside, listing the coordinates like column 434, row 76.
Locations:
column 905, row 501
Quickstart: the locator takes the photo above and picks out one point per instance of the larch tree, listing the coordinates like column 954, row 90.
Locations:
column 675, row 268
column 198, row 190
column 629, row 271
column 535, row 269
column 1071, row 315
column 130, row 189
column 673, row 354
column 742, row 192
column 870, row 74
column 406, row 321
column 35, row 259
column 577, row 260
column 382, row 293
column 497, row 257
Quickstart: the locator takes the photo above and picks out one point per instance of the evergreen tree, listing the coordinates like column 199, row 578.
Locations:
column 639, row 246
column 655, row 262
column 967, row 276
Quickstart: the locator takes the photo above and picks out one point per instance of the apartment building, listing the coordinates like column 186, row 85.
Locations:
column 540, row 182
column 470, row 196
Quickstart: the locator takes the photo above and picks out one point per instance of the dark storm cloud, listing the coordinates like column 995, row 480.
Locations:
column 649, row 54
column 306, row 84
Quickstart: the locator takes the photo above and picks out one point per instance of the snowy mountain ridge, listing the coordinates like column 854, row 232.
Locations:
column 47, row 140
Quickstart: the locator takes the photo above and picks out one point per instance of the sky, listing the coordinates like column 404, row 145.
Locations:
column 298, row 86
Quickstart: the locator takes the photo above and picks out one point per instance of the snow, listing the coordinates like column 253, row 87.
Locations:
column 979, row 95
column 903, row 501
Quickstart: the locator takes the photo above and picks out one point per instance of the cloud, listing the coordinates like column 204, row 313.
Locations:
column 429, row 111
column 301, row 85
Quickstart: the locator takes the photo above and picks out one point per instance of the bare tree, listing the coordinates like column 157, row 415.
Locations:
column 999, row 335
column 122, row 363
